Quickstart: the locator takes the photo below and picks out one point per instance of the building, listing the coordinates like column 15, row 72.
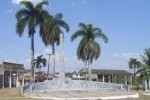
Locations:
column 104, row 75
column 11, row 75
column 39, row 76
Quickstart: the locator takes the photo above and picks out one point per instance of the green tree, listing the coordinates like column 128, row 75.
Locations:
column 88, row 48
column 31, row 16
column 144, row 71
column 53, row 29
column 39, row 62
column 134, row 64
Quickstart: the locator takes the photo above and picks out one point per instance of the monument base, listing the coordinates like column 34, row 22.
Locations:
column 71, row 85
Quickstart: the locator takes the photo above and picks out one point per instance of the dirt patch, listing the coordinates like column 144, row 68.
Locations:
column 10, row 92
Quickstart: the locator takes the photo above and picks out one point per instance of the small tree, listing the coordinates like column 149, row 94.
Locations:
column 134, row 64
column 39, row 62
column 144, row 71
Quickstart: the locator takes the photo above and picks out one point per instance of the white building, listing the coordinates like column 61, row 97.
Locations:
column 104, row 75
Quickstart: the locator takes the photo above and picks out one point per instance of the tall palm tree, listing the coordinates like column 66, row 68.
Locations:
column 39, row 62
column 54, row 28
column 31, row 16
column 88, row 48
column 134, row 64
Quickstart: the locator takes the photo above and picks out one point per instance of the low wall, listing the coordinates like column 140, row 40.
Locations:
column 71, row 85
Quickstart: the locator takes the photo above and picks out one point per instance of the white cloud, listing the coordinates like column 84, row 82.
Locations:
column 84, row 1
column 73, row 3
column 10, row 60
column 33, row 1
column 128, row 55
column 8, row 11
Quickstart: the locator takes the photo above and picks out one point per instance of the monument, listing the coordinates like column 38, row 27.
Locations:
column 62, row 58
column 63, row 85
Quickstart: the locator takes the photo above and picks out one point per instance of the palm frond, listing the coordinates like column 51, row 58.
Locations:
column 146, row 57
column 58, row 16
column 79, row 33
column 39, row 6
column 31, row 25
column 27, row 4
column 64, row 25
column 20, row 26
column 39, row 62
column 97, row 49
column 82, row 26
column 22, row 13
column 98, row 33
column 80, row 50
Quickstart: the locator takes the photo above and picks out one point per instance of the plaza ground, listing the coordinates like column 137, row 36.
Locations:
column 15, row 94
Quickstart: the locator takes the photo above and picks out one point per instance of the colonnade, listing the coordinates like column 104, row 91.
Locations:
column 12, row 79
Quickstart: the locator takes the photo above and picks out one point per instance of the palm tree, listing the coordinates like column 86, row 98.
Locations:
column 54, row 28
column 39, row 62
column 134, row 64
column 88, row 48
column 144, row 71
column 31, row 16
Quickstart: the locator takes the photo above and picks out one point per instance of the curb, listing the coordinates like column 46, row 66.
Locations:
column 136, row 95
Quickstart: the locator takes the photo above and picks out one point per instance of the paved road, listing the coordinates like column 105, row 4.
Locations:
column 142, row 97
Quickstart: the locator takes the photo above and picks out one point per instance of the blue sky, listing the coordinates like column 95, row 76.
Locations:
column 125, row 22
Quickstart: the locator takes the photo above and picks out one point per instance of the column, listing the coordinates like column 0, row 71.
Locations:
column 10, row 79
column 115, row 79
column 131, row 80
column 112, row 78
column 103, row 79
column 16, row 79
column 3, row 80
column 145, row 85
column 126, row 81
column 109, row 79
column 23, row 79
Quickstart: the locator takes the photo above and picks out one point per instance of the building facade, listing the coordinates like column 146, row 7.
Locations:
column 104, row 75
column 11, row 75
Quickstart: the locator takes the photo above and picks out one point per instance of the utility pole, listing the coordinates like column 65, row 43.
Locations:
column 49, row 55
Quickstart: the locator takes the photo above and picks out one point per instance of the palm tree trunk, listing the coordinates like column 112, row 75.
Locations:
column 48, row 66
column 32, row 59
column 145, row 84
column 39, row 74
column 53, row 52
column 134, row 76
column 86, row 71
column 89, row 70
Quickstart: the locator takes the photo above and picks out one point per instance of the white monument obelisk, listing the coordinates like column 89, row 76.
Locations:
column 62, row 58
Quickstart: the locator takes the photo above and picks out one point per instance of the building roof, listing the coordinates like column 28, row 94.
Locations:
column 106, row 71
column 12, row 66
